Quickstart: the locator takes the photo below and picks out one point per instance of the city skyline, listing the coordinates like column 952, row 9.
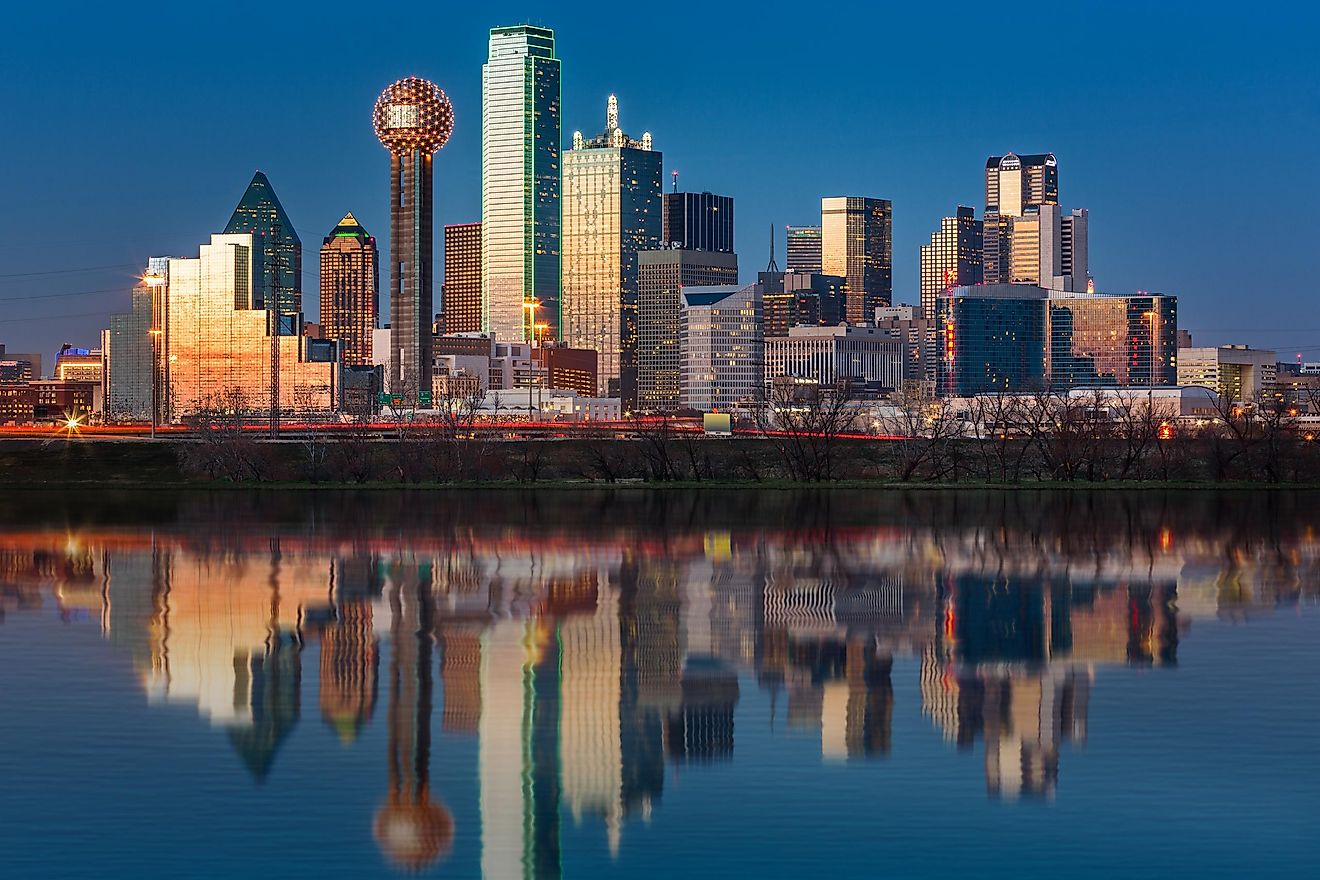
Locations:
column 706, row 141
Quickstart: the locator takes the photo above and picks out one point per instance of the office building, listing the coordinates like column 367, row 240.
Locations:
column 801, row 299
column 1001, row 337
column 1236, row 372
column 1048, row 248
column 856, row 357
column 350, row 290
column 1016, row 182
column 18, row 366
column 413, row 119
column 48, row 400
column 661, row 277
column 569, row 369
column 919, row 337
column 857, row 242
column 520, row 178
column 804, row 253
column 611, row 213
column 722, row 348
column 217, row 357
column 260, row 214
column 952, row 259
column 74, row 364
column 698, row 222
column 128, row 353
column 461, row 294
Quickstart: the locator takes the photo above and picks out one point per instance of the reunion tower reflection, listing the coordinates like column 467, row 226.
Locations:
column 410, row 829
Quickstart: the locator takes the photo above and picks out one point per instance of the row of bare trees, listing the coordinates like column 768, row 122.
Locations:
column 800, row 434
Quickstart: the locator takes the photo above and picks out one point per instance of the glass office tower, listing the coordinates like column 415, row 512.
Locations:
column 520, row 179
column 260, row 213
column 612, row 188
column 857, row 242
column 804, row 249
column 699, row 222
column 952, row 259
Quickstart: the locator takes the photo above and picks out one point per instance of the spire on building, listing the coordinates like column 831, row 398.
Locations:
column 773, row 267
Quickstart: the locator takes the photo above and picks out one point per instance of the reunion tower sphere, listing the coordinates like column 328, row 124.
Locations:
column 413, row 114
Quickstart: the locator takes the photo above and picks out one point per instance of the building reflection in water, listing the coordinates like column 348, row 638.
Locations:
column 584, row 661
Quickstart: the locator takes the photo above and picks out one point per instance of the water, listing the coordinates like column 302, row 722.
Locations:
column 667, row 684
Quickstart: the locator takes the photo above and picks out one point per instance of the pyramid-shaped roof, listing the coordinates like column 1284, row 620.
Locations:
column 350, row 226
column 260, row 210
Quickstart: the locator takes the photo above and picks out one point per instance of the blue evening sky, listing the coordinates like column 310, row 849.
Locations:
column 1188, row 129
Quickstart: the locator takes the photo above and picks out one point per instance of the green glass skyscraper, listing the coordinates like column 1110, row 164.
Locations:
column 520, row 179
column 260, row 213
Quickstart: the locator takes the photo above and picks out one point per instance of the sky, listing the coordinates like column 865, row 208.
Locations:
column 1189, row 131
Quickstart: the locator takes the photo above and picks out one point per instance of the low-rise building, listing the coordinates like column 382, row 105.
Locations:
column 1238, row 372
column 858, row 357
column 48, row 400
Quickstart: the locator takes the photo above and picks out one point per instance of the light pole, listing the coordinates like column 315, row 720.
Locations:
column 154, row 282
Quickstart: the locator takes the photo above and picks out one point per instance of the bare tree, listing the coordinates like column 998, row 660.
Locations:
column 806, row 424
column 924, row 431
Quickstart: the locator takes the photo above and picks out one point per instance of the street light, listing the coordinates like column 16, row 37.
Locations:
column 155, row 378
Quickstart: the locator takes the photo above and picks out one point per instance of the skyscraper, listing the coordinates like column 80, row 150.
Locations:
column 698, row 222
column 219, row 357
column 520, row 179
column 612, row 189
column 413, row 119
column 952, row 259
column 723, row 348
column 260, row 213
column 661, row 277
column 1013, row 183
column 350, row 290
column 804, row 253
column 1049, row 248
column 857, row 242
column 461, row 301
column 128, row 347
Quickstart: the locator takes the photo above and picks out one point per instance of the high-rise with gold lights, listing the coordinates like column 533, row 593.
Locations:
column 612, row 212
column 857, row 243
column 413, row 119
column 350, row 290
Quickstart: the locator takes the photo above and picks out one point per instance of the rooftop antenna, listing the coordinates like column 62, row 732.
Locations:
column 674, row 175
column 773, row 267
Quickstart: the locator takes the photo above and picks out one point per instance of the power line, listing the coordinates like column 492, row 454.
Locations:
column 67, row 271
column 56, row 317
column 69, row 293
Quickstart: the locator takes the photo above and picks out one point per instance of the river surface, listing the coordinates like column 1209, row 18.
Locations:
column 728, row 684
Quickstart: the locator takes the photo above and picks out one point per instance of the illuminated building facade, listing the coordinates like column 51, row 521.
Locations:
column 952, row 259
column 350, row 290
column 574, row 369
column 1005, row 338
column 857, row 242
column 661, row 277
column 413, row 119
column 611, row 213
column 698, row 222
column 520, row 180
column 461, row 294
column 260, row 214
column 723, row 348
column 1013, row 183
column 217, row 355
column 859, row 356
column 804, row 253
column 74, row 364
column 128, row 352
column 1238, row 372
column 802, row 299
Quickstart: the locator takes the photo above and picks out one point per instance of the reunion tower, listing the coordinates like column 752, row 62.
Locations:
column 413, row 119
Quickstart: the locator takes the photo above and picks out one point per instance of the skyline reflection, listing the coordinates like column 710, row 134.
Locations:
column 590, row 663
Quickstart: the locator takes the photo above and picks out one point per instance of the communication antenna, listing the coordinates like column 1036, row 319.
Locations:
column 674, row 174
column 773, row 267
